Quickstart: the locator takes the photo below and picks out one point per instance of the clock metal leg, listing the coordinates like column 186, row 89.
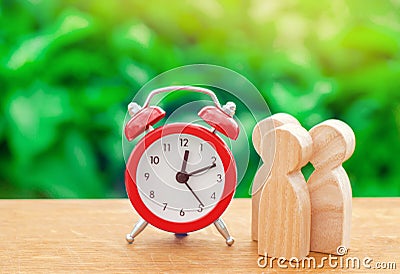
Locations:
column 139, row 226
column 220, row 225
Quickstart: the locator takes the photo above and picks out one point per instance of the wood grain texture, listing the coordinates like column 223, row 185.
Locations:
column 88, row 236
column 329, row 186
column 265, row 150
column 284, row 210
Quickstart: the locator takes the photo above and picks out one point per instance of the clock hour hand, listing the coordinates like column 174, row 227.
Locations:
column 202, row 169
column 182, row 177
column 185, row 159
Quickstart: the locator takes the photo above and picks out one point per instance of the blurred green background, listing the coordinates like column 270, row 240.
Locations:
column 69, row 68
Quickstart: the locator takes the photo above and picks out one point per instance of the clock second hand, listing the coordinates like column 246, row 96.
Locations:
column 194, row 194
column 195, row 172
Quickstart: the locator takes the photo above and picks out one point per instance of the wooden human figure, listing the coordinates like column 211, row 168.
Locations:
column 260, row 130
column 285, row 211
column 329, row 186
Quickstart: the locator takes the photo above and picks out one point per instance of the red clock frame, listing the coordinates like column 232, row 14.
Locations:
column 201, row 132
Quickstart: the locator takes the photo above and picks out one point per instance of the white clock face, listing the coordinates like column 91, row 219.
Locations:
column 180, row 178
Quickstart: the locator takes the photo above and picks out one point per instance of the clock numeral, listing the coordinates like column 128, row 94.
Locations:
column 184, row 142
column 147, row 176
column 152, row 194
column 214, row 159
column 182, row 213
column 219, row 178
column 154, row 160
column 165, row 206
column 167, row 147
column 200, row 208
column 201, row 147
column 213, row 196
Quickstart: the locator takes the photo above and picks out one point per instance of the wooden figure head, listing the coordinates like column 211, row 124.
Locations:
column 265, row 147
column 333, row 143
column 268, row 124
column 293, row 148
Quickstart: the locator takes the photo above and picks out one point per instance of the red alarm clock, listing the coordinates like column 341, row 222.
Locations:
column 181, row 177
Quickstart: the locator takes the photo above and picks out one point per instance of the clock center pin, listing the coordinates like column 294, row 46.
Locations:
column 182, row 177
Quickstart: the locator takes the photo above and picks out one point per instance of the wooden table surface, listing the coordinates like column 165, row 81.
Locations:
column 89, row 236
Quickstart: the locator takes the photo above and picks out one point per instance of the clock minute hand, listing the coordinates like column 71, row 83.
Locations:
column 195, row 172
column 202, row 169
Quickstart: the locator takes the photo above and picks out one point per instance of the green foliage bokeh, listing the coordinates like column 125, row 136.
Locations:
column 69, row 68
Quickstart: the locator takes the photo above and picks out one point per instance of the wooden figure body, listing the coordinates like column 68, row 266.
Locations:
column 329, row 186
column 260, row 130
column 285, row 211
